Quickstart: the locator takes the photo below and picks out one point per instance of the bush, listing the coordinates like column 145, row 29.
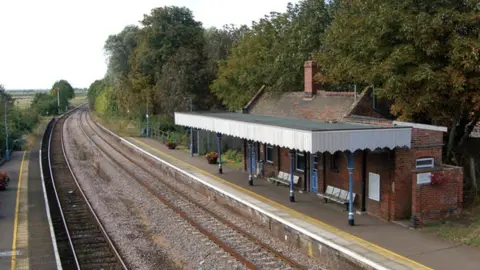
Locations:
column 234, row 155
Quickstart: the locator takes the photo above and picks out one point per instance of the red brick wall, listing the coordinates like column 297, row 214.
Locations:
column 340, row 179
column 402, row 198
column 281, row 162
column 437, row 201
column 381, row 163
column 311, row 87
column 285, row 166
column 427, row 143
column 364, row 107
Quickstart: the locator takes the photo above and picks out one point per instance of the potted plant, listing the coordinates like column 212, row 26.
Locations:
column 170, row 144
column 211, row 157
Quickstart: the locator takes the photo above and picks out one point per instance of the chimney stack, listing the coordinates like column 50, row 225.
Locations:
column 310, row 69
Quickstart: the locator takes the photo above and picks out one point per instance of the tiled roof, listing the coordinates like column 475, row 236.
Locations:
column 324, row 106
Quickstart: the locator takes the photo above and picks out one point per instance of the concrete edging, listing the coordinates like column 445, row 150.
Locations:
column 47, row 209
column 346, row 253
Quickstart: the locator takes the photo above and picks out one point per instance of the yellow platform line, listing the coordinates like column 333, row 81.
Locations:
column 17, row 206
column 371, row 246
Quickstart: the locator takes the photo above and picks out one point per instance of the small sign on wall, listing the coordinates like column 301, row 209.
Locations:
column 374, row 186
column 424, row 178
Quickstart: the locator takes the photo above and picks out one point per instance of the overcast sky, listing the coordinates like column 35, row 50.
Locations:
column 42, row 41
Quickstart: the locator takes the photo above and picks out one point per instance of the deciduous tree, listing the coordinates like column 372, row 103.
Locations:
column 424, row 55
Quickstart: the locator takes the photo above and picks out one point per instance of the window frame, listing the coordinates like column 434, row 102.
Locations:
column 427, row 166
column 267, row 147
column 298, row 153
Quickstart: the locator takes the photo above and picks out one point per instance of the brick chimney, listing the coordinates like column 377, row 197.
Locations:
column 310, row 69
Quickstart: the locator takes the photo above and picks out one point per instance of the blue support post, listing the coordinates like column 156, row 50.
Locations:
column 7, row 153
column 292, row 164
column 219, row 146
column 350, row 167
column 250, row 155
column 313, row 174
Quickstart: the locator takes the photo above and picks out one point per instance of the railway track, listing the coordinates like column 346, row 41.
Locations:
column 81, row 239
column 244, row 247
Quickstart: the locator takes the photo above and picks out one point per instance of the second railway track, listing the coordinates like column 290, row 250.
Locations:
column 82, row 241
column 244, row 247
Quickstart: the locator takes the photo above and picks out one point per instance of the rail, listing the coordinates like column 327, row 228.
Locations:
column 53, row 195
column 184, row 215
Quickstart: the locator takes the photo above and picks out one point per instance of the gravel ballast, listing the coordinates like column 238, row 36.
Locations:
column 148, row 234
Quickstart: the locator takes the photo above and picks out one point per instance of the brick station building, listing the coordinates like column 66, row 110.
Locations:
column 397, row 169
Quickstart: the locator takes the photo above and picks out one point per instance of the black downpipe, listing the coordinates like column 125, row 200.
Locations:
column 306, row 171
column 364, row 181
column 324, row 160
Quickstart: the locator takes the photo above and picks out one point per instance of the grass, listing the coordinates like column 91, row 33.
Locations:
column 24, row 99
column 33, row 138
column 79, row 99
column 122, row 127
column 464, row 229
column 23, row 102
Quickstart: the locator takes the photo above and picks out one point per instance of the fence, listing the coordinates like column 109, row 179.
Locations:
column 204, row 141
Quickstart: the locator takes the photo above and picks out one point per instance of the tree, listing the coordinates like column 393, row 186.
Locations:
column 422, row 54
column 65, row 92
column 119, row 48
column 272, row 53
column 44, row 104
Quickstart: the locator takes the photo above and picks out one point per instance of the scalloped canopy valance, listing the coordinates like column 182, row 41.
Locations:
column 299, row 134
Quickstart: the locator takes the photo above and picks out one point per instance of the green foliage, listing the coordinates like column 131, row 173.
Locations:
column 233, row 155
column 44, row 104
column 19, row 123
column 94, row 90
column 105, row 102
column 65, row 92
column 272, row 53
column 424, row 55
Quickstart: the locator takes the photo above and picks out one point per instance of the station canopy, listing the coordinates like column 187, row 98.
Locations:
column 300, row 134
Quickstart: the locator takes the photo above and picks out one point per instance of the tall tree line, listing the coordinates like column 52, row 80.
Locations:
column 422, row 55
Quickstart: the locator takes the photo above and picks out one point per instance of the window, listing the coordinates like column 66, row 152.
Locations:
column 334, row 161
column 269, row 153
column 422, row 163
column 300, row 161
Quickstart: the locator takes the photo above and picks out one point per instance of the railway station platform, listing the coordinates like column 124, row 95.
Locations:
column 25, row 239
column 387, row 245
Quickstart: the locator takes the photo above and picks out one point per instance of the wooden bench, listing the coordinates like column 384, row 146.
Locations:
column 337, row 195
column 283, row 178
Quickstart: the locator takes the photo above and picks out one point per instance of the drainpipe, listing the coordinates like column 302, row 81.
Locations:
column 364, row 181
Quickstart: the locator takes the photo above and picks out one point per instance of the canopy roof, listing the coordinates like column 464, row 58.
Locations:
column 299, row 134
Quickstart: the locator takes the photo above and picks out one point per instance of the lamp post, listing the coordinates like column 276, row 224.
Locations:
column 191, row 128
column 147, row 133
column 58, row 99
column 7, row 154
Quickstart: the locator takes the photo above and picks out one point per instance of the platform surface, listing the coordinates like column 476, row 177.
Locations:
column 388, row 244
column 25, row 240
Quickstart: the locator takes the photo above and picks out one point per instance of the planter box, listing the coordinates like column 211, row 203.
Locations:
column 212, row 160
column 171, row 145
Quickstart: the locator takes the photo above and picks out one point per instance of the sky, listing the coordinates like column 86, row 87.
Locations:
column 45, row 41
